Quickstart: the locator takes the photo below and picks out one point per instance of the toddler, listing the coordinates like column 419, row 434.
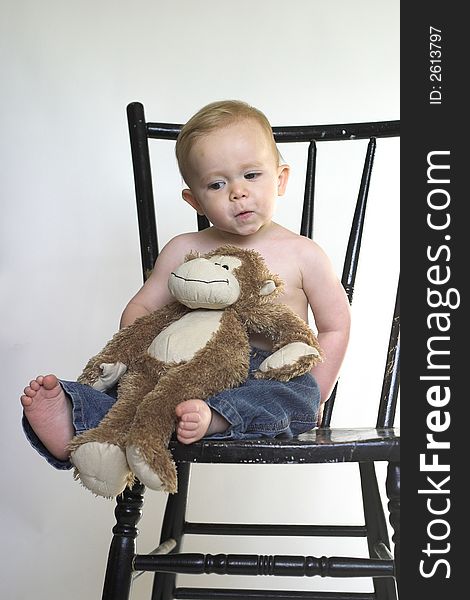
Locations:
column 234, row 174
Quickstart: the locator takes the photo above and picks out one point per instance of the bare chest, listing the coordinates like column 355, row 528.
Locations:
column 293, row 295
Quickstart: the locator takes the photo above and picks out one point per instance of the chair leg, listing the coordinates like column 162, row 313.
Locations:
column 376, row 526
column 173, row 528
column 393, row 494
column 118, row 578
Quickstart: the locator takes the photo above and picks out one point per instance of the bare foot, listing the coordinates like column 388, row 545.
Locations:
column 196, row 419
column 49, row 413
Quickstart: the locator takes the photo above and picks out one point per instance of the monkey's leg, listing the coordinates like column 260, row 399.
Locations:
column 220, row 365
column 147, row 450
column 147, row 443
column 98, row 454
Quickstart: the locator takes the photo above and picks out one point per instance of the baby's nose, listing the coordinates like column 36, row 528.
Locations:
column 237, row 191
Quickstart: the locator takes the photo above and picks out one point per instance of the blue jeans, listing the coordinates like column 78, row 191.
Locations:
column 267, row 407
column 257, row 408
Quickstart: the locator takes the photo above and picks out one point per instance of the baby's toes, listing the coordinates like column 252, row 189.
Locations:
column 192, row 417
column 188, row 425
column 26, row 400
column 186, row 437
column 28, row 391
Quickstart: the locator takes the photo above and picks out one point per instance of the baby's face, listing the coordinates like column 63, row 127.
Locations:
column 235, row 178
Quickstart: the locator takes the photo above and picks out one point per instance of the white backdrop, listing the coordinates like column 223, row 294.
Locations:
column 69, row 242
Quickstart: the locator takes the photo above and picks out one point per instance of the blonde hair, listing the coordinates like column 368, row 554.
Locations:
column 215, row 116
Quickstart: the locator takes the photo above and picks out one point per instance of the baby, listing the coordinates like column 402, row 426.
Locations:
column 234, row 174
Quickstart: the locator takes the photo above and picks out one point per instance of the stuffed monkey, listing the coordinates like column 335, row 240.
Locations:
column 194, row 347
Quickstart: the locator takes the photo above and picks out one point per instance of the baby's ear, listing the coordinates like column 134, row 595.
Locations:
column 267, row 288
column 191, row 199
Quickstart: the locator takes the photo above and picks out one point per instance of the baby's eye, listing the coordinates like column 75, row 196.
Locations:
column 216, row 185
column 252, row 175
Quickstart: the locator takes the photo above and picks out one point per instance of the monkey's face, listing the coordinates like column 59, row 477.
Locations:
column 206, row 282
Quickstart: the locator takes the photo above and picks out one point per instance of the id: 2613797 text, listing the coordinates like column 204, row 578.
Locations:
column 435, row 65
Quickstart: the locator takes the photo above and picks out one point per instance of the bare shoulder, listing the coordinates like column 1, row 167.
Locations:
column 182, row 243
column 175, row 250
column 315, row 267
column 306, row 251
column 307, row 267
column 312, row 252
column 154, row 293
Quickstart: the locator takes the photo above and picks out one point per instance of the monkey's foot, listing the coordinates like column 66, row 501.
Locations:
column 164, row 480
column 102, row 468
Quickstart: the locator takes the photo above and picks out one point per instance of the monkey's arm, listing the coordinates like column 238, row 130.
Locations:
column 106, row 368
column 295, row 347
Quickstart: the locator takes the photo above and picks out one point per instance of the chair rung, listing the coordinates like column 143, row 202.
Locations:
column 275, row 530
column 252, row 564
column 238, row 594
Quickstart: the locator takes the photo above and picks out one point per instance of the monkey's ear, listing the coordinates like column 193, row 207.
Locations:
column 267, row 288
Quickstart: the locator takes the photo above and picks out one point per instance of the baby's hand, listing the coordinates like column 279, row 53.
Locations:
column 111, row 373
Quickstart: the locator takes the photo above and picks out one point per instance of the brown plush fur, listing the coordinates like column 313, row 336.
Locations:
column 149, row 391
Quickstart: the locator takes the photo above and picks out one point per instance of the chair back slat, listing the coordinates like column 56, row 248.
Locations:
column 202, row 222
column 351, row 260
column 391, row 380
column 328, row 408
column 143, row 187
column 306, row 225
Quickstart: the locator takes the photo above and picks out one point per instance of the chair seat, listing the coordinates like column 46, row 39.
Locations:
column 315, row 446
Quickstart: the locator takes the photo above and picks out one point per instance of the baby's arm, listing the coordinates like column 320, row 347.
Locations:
column 107, row 367
column 154, row 293
column 295, row 347
column 330, row 307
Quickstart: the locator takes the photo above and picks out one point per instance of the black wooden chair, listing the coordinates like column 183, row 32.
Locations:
column 363, row 446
